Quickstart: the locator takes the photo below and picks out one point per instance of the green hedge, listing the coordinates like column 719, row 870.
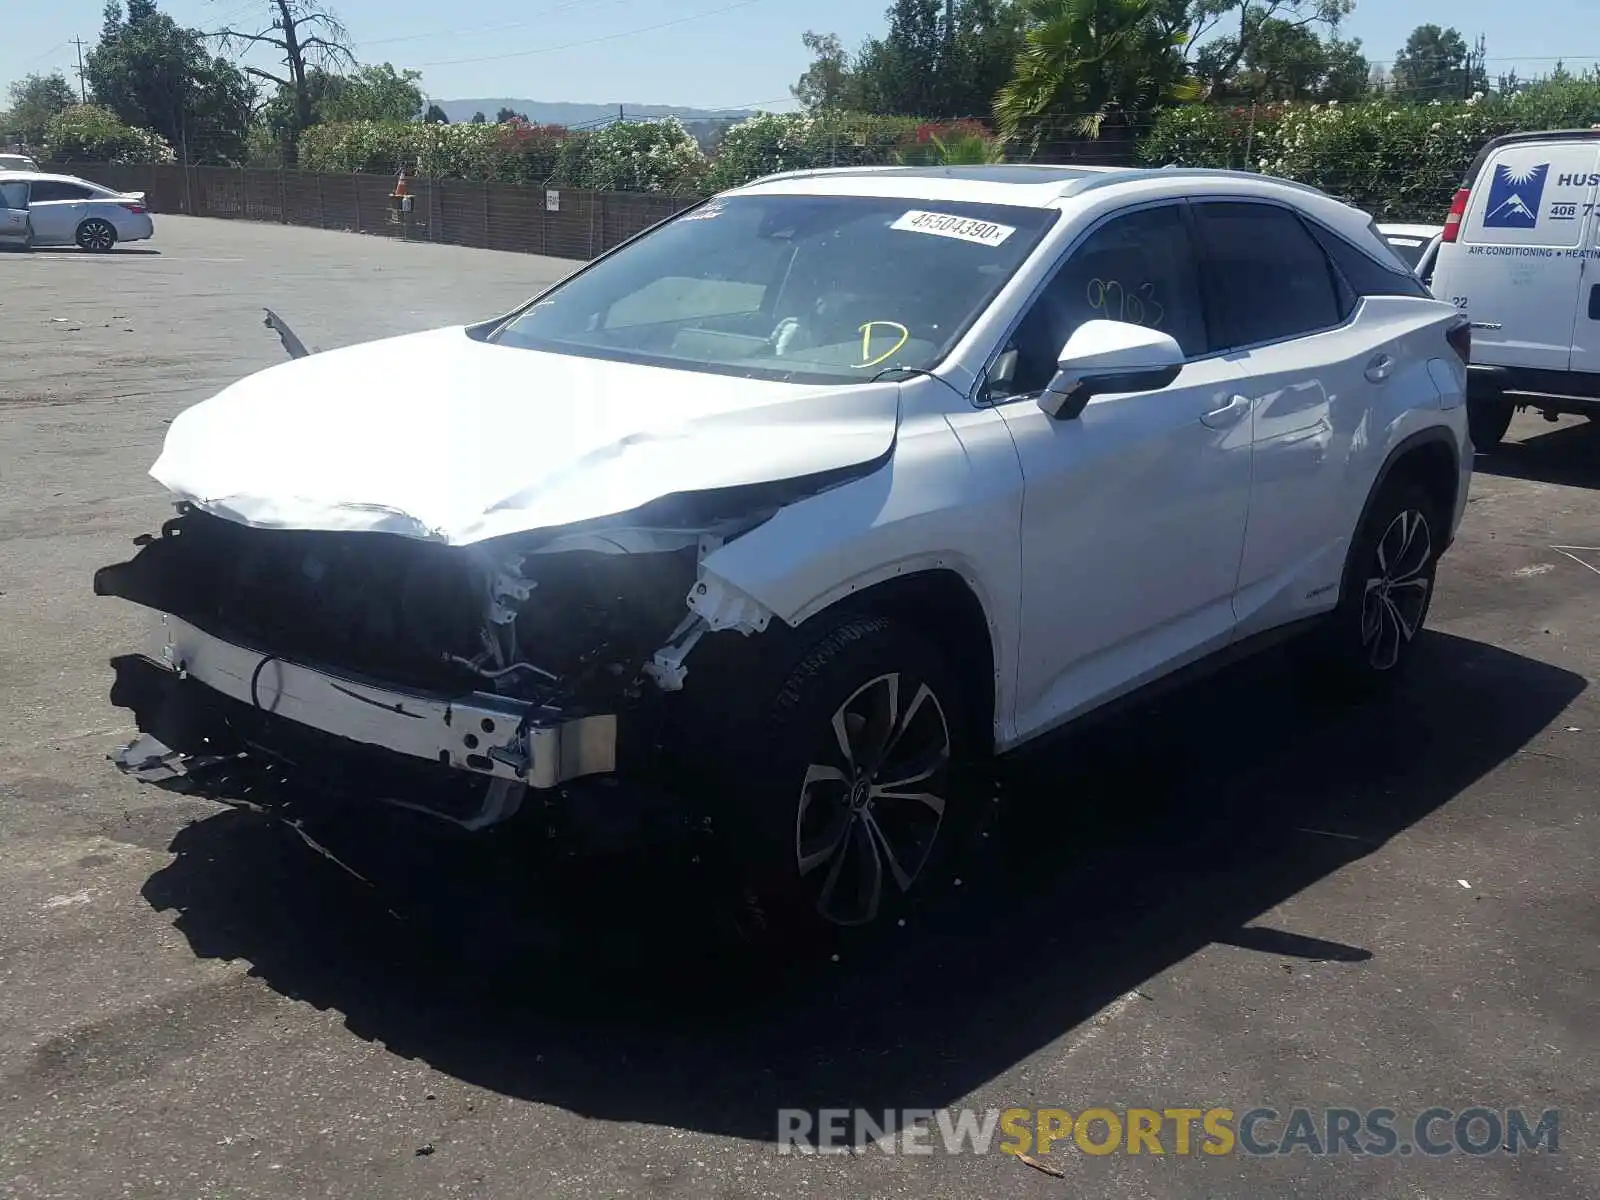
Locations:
column 639, row 156
column 1395, row 161
column 642, row 156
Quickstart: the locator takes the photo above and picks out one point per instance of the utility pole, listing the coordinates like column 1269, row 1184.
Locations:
column 1476, row 62
column 83, row 92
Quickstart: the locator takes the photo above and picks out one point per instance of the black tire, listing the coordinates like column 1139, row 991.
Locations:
column 1386, row 593
column 819, row 845
column 1488, row 418
column 96, row 235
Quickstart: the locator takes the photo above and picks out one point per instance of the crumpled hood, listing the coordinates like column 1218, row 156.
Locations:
column 439, row 436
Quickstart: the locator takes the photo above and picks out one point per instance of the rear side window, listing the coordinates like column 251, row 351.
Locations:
column 1270, row 278
column 51, row 189
column 1365, row 274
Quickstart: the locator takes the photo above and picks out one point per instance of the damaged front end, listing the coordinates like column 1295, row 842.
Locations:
column 445, row 678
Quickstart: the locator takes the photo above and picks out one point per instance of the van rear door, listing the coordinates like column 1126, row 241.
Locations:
column 1521, row 263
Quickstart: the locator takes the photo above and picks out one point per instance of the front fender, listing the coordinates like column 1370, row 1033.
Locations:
column 943, row 502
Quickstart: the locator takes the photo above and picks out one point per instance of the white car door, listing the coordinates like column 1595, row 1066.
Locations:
column 14, row 212
column 58, row 206
column 1133, row 512
column 1282, row 317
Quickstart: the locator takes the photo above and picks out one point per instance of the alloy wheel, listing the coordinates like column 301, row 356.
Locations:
column 1396, row 594
column 873, row 800
column 97, row 235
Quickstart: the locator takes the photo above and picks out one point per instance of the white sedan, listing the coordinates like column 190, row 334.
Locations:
column 811, row 500
column 65, row 210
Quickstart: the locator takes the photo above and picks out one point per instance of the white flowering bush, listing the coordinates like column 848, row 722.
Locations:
column 762, row 145
column 1396, row 161
column 643, row 156
column 89, row 133
column 770, row 142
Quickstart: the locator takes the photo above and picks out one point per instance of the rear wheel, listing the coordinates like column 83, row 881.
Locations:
column 1388, row 589
column 1488, row 418
column 96, row 235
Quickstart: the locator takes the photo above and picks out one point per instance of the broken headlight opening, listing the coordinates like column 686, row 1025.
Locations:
column 566, row 621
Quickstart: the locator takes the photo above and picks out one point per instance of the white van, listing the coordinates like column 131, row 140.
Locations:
column 1515, row 257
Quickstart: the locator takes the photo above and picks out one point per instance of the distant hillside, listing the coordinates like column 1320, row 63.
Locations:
column 543, row 112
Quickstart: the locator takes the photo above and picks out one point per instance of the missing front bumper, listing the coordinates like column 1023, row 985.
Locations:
column 485, row 735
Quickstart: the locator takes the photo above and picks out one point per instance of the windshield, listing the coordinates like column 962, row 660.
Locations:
column 800, row 288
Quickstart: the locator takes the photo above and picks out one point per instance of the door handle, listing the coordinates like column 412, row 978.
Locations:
column 1221, row 418
column 1594, row 303
column 1380, row 368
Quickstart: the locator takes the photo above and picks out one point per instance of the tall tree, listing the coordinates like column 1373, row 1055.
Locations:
column 507, row 115
column 155, row 74
column 34, row 100
column 1219, row 35
column 1435, row 64
column 303, row 35
column 1289, row 61
column 479, row 119
column 827, row 82
column 1087, row 65
column 435, row 116
column 936, row 60
column 374, row 93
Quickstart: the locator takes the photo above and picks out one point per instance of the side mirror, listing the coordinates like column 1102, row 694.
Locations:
column 1104, row 357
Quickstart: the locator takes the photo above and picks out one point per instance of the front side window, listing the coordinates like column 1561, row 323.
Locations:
column 799, row 288
column 1272, row 279
column 1138, row 268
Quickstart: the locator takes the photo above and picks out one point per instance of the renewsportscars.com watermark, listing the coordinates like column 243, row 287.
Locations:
column 1475, row 1130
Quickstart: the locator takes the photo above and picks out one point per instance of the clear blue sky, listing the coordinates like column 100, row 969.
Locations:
column 665, row 52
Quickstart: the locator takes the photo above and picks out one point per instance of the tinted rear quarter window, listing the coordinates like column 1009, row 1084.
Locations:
column 50, row 189
column 1367, row 275
column 1270, row 277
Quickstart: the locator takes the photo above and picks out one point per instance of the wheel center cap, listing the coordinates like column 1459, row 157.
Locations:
column 860, row 790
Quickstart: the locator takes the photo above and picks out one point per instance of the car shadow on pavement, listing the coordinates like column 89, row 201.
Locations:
column 114, row 252
column 605, row 991
column 1568, row 455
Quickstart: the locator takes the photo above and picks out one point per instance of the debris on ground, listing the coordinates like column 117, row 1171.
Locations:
column 1047, row 1168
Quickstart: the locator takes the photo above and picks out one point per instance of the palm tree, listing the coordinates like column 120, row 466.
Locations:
column 1088, row 63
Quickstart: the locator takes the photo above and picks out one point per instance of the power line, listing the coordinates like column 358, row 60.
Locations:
column 609, row 37
column 443, row 33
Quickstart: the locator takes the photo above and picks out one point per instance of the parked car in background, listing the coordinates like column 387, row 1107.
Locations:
column 17, row 162
column 1518, row 241
column 66, row 210
column 813, row 498
column 1417, row 246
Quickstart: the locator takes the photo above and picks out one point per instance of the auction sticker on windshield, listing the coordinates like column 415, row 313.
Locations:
column 985, row 233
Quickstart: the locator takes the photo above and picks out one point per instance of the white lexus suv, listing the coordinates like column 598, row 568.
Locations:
column 808, row 502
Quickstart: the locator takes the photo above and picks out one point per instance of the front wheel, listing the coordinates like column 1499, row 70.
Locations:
column 96, row 235
column 847, row 792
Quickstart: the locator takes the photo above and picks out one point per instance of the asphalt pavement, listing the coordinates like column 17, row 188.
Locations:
column 1243, row 897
